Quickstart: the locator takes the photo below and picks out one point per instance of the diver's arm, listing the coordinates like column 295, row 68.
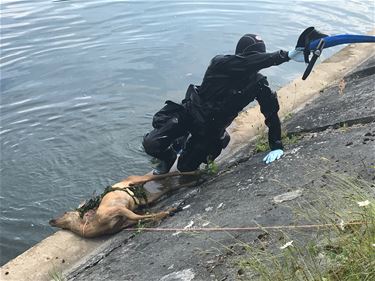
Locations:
column 269, row 106
column 265, row 60
column 274, row 131
column 256, row 61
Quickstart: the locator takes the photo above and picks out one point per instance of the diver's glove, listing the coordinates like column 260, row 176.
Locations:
column 296, row 55
column 273, row 155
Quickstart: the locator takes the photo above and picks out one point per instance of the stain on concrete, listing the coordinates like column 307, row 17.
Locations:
column 183, row 275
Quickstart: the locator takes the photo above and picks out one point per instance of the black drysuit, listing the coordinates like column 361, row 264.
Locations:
column 230, row 83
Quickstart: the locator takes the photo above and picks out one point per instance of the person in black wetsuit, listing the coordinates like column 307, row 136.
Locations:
column 196, row 128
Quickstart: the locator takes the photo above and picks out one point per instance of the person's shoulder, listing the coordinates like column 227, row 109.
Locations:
column 220, row 59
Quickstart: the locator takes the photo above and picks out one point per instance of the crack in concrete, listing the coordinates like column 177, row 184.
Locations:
column 335, row 126
column 361, row 73
column 93, row 261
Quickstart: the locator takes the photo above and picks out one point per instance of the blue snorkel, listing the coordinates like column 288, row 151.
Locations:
column 334, row 40
column 313, row 41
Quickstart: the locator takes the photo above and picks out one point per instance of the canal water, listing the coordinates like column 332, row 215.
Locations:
column 81, row 80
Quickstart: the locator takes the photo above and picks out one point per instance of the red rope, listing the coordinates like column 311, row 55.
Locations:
column 251, row 228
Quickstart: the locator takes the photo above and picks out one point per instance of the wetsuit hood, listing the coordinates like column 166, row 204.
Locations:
column 250, row 43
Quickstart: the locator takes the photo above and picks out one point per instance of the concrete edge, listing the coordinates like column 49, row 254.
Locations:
column 63, row 251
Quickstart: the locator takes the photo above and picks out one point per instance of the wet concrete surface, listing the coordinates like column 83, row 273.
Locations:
column 242, row 194
column 350, row 101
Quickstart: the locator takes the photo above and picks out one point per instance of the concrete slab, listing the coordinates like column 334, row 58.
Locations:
column 54, row 254
column 243, row 196
column 351, row 101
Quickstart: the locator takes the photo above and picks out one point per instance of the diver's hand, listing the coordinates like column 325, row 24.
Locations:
column 296, row 55
column 273, row 155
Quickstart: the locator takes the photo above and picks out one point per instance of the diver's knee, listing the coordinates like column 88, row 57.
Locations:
column 185, row 168
column 184, row 165
column 150, row 145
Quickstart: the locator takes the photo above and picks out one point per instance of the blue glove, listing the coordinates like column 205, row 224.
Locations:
column 273, row 155
column 297, row 55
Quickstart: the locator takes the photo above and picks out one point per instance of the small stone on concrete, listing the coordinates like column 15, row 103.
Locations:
column 287, row 196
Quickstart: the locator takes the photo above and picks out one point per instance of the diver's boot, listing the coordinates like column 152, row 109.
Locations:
column 165, row 165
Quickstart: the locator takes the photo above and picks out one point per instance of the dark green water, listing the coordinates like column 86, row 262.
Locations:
column 80, row 81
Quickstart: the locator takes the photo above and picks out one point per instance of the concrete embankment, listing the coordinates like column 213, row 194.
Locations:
column 242, row 196
column 335, row 137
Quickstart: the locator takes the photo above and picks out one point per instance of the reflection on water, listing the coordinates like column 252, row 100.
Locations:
column 80, row 81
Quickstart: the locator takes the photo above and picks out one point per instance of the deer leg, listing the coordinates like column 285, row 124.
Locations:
column 154, row 216
column 133, row 180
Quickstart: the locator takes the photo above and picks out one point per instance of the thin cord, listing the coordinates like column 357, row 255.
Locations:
column 251, row 228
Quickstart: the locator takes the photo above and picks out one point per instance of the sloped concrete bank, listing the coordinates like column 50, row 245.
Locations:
column 240, row 196
column 243, row 195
